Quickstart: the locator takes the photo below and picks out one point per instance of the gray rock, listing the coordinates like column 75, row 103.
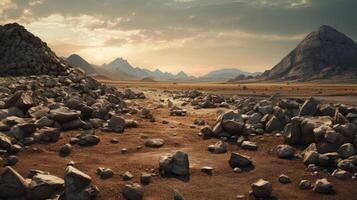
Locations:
column 220, row 147
column 285, row 151
column 12, row 184
column 88, row 140
column 78, row 185
column 262, row 189
column 311, row 157
column 117, row 124
column 239, row 160
column 177, row 164
column 309, row 108
column 323, row 186
column 341, row 174
column 133, row 191
column 65, row 150
column 284, row 179
column 154, row 142
column 45, row 186
column 105, row 173
column 145, row 178
column 346, row 150
column 249, row 145
column 305, row 184
column 63, row 114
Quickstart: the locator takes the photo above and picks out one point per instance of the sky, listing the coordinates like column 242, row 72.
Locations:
column 195, row 36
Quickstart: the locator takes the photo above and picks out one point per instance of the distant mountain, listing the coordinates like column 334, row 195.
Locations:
column 77, row 61
column 96, row 71
column 226, row 74
column 123, row 65
column 324, row 54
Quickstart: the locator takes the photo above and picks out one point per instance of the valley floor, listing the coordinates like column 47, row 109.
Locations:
column 179, row 135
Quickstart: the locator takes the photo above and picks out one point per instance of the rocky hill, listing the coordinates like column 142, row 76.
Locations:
column 22, row 53
column 323, row 54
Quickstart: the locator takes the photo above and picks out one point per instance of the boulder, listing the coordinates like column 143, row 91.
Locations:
column 309, row 108
column 346, row 150
column 133, row 192
column 45, row 186
column 323, row 186
column 78, row 185
column 176, row 164
column 285, row 151
column 12, row 184
column 63, row 114
column 239, row 160
column 262, row 189
column 274, row 124
column 116, row 124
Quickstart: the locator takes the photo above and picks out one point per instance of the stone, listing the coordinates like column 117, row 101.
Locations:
column 284, row 179
column 47, row 134
column 249, row 145
column 88, row 140
column 220, row 147
column 177, row 164
column 133, row 192
column 38, row 112
column 45, row 186
column 105, row 173
column 323, row 186
column 20, row 99
column 285, row 151
column 292, row 133
column 5, row 141
column 12, row 184
column 305, row 184
column 262, row 189
column 206, row 133
column 207, row 170
column 117, row 123
column 274, row 124
column 65, row 150
column 154, row 142
column 78, row 185
column 341, row 174
column 311, row 157
column 178, row 195
column 127, row 176
column 309, row 108
column 145, row 178
column 346, row 150
column 44, row 121
column 63, row 114
column 11, row 160
column 233, row 127
column 239, row 160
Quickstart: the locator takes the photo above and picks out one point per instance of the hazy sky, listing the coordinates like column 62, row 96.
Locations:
column 191, row 35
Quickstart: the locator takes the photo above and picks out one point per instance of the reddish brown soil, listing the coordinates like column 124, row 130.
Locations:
column 223, row 184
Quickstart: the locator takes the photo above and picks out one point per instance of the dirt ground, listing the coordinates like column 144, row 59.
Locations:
column 179, row 135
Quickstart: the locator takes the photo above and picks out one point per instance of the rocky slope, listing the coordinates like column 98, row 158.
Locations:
column 22, row 53
column 323, row 54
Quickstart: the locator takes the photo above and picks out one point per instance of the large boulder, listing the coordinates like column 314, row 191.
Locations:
column 176, row 164
column 133, row 191
column 78, row 185
column 262, row 189
column 309, row 108
column 240, row 161
column 12, row 184
column 45, row 186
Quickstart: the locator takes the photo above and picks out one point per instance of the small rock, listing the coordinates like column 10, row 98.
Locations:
column 133, row 191
column 305, row 184
column 323, row 186
column 262, row 189
column 284, row 179
column 207, row 170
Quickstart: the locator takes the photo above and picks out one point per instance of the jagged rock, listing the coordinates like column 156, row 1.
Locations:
column 262, row 189
column 311, row 157
column 47, row 134
column 239, row 160
column 133, row 192
column 292, row 132
column 127, row 176
column 177, row 164
column 207, row 132
column 249, row 145
column 45, row 186
column 220, row 147
column 105, row 173
column 12, row 184
column 63, row 115
column 274, row 124
column 309, row 108
column 38, row 111
column 78, row 185
column 5, row 141
column 20, row 99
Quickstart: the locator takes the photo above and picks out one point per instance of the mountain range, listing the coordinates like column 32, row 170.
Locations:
column 325, row 54
column 121, row 69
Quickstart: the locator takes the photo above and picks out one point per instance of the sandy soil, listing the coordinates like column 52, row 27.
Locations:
column 223, row 184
